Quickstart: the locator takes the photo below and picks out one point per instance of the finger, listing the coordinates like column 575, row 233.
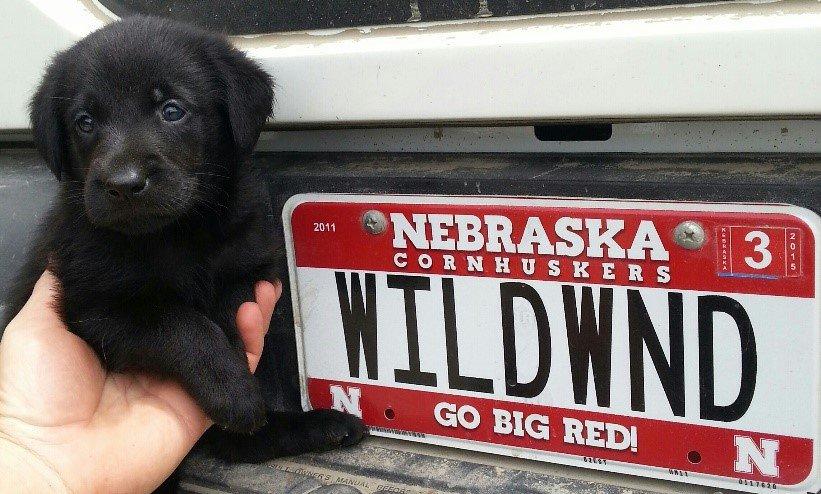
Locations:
column 42, row 303
column 267, row 294
column 251, row 326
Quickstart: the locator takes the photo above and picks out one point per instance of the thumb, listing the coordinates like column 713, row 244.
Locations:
column 44, row 300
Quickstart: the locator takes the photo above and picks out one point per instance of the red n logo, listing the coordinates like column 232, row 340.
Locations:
column 346, row 400
column 763, row 456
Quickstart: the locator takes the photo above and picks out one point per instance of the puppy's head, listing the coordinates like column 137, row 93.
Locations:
column 144, row 119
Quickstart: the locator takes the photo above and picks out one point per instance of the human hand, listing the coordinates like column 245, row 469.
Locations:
column 67, row 425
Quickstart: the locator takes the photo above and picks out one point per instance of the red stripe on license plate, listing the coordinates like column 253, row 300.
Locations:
column 595, row 436
column 766, row 253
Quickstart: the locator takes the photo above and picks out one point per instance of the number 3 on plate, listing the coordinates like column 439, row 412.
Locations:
column 760, row 242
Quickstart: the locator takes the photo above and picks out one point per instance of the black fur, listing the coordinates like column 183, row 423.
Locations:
column 161, row 227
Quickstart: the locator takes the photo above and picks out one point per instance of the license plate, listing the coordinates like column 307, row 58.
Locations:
column 677, row 341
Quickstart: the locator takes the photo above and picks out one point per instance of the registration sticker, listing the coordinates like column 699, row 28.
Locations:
column 574, row 331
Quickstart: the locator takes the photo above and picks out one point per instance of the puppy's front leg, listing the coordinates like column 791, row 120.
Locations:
column 184, row 345
column 224, row 311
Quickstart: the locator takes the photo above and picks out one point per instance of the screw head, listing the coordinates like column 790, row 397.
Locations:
column 690, row 235
column 374, row 222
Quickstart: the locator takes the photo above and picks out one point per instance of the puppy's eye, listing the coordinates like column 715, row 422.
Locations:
column 85, row 123
column 172, row 112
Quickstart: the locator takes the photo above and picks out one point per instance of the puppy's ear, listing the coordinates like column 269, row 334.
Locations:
column 247, row 93
column 47, row 120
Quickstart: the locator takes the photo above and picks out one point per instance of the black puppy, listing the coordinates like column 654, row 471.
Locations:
column 161, row 228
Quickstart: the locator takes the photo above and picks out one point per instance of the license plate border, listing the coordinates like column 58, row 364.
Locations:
column 809, row 217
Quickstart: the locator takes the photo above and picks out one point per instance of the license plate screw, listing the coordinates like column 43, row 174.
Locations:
column 374, row 222
column 690, row 235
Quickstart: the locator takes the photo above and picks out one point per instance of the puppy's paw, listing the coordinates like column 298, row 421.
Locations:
column 288, row 434
column 331, row 429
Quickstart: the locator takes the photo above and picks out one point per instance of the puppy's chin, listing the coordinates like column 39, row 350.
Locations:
column 133, row 219
column 129, row 224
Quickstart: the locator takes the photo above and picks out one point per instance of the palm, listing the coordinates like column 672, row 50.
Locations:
column 129, row 430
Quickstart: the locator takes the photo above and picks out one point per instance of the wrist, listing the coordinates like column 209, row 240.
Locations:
column 22, row 470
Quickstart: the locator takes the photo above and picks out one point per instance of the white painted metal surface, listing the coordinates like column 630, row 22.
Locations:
column 30, row 34
column 710, row 61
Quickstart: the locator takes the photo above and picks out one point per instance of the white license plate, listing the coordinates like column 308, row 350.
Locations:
column 672, row 340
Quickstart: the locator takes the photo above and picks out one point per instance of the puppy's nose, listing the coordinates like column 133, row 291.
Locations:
column 125, row 183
